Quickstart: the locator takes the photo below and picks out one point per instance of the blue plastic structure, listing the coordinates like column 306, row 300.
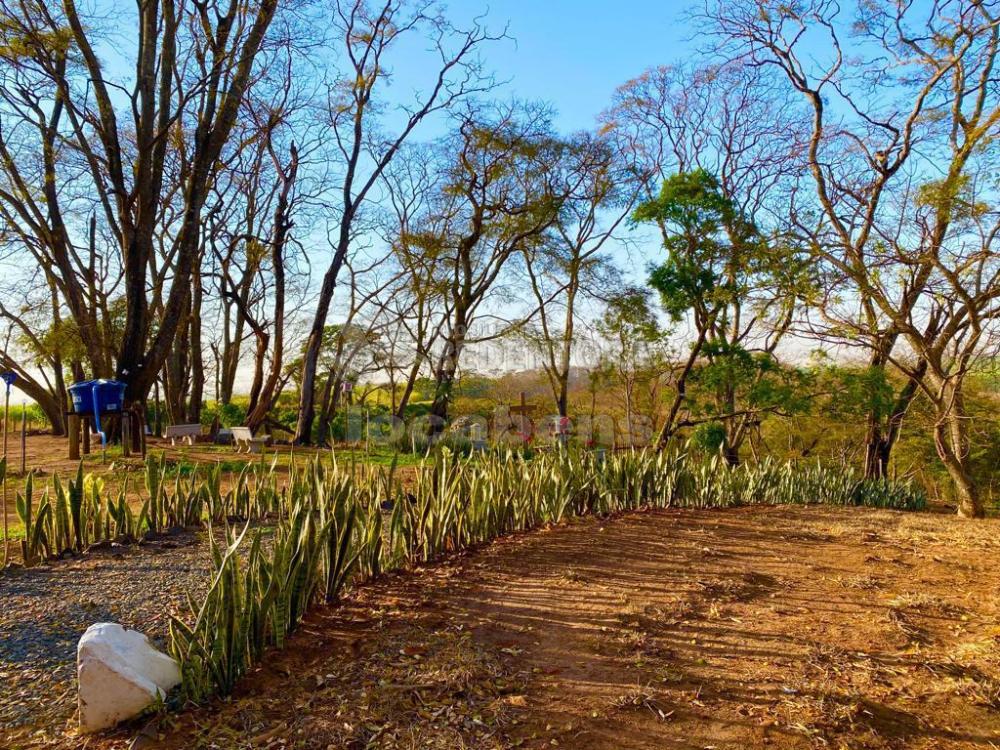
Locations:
column 98, row 397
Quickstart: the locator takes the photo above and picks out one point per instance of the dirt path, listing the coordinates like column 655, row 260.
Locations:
column 777, row 628
column 783, row 628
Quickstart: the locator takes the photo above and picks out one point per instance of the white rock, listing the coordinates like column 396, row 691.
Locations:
column 120, row 674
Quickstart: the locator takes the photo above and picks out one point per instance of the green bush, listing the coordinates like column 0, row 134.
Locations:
column 232, row 414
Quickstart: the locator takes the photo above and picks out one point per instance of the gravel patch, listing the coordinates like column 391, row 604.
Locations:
column 45, row 610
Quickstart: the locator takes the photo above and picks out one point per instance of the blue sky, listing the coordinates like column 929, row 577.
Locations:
column 575, row 53
column 571, row 54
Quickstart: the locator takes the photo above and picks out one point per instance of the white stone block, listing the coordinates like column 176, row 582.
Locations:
column 120, row 674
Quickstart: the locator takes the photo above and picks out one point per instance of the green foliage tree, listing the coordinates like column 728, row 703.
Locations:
column 738, row 289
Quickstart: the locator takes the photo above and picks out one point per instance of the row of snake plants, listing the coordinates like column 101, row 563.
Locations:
column 69, row 517
column 335, row 528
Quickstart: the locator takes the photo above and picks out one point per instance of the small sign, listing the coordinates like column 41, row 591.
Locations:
column 346, row 387
column 9, row 378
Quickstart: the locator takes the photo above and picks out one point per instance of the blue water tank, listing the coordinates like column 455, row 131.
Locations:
column 97, row 396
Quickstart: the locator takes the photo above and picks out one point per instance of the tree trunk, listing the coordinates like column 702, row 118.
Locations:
column 197, row 360
column 58, row 374
column 952, row 443
column 970, row 505
column 878, row 450
column 175, row 382
column 881, row 433
column 260, row 356
column 680, row 392
column 157, row 410
column 140, row 359
column 732, row 427
column 267, row 393
column 230, row 357
column 447, row 370
column 629, row 386
column 307, row 388
column 52, row 404
column 566, row 353
column 328, row 406
column 880, row 438
column 563, row 403
column 967, row 497
column 411, row 381
column 310, row 362
column 443, row 392
column 731, row 453
column 54, row 411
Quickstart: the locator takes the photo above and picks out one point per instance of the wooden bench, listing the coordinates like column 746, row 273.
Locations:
column 183, row 432
column 242, row 437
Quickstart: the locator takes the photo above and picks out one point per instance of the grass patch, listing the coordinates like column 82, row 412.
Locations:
column 15, row 530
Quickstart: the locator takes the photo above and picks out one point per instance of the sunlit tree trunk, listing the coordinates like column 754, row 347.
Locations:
column 952, row 442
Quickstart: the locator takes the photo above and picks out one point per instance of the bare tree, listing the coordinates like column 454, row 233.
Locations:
column 353, row 348
column 498, row 198
column 905, row 225
column 571, row 265
column 367, row 36
column 193, row 64
column 419, row 301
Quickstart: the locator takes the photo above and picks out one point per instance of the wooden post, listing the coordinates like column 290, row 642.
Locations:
column 6, row 420
column 73, row 429
column 6, row 531
column 521, row 410
column 87, row 427
column 24, row 436
column 126, row 437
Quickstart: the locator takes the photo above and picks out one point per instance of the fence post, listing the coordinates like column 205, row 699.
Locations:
column 73, row 430
column 126, row 436
column 24, row 435
column 6, row 420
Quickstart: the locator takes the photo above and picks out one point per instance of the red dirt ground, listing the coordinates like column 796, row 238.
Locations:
column 748, row 628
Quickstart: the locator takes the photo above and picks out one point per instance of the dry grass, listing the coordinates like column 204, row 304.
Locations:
column 914, row 634
column 865, row 582
column 926, row 603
